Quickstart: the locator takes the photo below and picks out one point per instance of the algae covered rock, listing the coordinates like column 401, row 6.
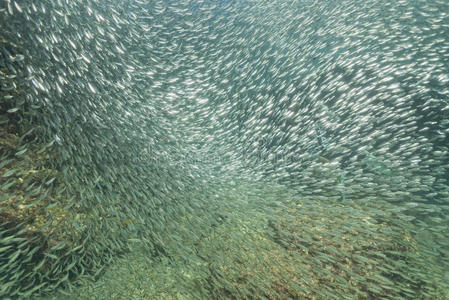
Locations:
column 326, row 251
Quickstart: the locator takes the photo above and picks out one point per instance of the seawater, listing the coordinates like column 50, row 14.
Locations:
column 230, row 149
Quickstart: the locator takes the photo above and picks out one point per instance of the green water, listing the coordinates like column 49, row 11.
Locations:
column 225, row 149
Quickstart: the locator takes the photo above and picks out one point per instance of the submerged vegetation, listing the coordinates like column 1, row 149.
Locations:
column 38, row 246
column 44, row 231
column 320, row 251
column 302, row 251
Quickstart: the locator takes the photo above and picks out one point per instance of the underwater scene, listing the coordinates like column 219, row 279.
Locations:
column 224, row 149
